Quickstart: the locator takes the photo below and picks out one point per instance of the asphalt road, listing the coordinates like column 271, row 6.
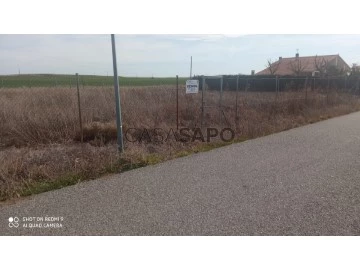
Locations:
column 305, row 181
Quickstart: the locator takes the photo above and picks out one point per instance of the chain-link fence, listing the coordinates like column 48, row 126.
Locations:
column 239, row 93
column 48, row 109
column 44, row 119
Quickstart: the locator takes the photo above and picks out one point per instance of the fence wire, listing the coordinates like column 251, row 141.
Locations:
column 158, row 102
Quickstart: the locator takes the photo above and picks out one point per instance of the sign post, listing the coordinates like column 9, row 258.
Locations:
column 190, row 68
column 117, row 98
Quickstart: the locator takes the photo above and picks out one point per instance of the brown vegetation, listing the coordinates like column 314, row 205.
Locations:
column 39, row 132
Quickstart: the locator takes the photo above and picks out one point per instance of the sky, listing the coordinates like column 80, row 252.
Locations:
column 163, row 55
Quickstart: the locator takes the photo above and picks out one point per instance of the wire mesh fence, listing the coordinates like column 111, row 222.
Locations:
column 50, row 111
column 241, row 93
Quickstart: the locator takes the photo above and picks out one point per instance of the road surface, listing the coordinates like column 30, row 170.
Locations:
column 305, row 181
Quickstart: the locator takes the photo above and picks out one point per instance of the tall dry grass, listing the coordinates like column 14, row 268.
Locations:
column 40, row 115
column 36, row 116
column 39, row 127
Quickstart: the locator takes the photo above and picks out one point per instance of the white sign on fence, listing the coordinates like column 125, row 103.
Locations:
column 192, row 86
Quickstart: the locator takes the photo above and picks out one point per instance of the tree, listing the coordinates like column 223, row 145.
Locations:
column 335, row 71
column 297, row 67
column 272, row 67
column 321, row 65
column 326, row 69
column 355, row 70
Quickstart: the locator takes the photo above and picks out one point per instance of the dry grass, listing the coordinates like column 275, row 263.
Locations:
column 39, row 134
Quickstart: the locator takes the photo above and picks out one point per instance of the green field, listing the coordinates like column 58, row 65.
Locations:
column 51, row 80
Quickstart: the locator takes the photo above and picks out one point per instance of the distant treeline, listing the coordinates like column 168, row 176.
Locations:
column 269, row 83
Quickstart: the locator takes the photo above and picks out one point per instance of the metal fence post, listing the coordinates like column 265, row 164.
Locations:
column 236, row 98
column 277, row 88
column 177, row 102
column 79, row 107
column 202, row 101
column 345, row 83
column 313, row 85
column 117, row 97
column 306, row 90
column 246, row 89
column 327, row 91
column 221, row 95
column 221, row 90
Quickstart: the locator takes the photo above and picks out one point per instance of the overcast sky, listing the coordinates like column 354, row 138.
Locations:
column 163, row 55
